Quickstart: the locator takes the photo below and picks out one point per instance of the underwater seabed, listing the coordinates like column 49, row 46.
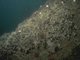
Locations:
column 51, row 33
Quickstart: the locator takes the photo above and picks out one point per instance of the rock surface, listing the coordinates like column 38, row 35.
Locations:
column 51, row 33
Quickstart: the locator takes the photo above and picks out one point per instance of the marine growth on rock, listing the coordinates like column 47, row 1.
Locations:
column 51, row 33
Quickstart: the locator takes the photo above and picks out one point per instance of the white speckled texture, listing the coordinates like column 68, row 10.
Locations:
column 49, row 34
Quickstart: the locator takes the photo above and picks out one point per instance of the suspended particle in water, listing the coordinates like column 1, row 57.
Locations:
column 40, row 13
column 47, row 5
column 19, row 31
column 74, row 0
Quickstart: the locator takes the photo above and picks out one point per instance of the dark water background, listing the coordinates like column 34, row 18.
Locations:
column 13, row 12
